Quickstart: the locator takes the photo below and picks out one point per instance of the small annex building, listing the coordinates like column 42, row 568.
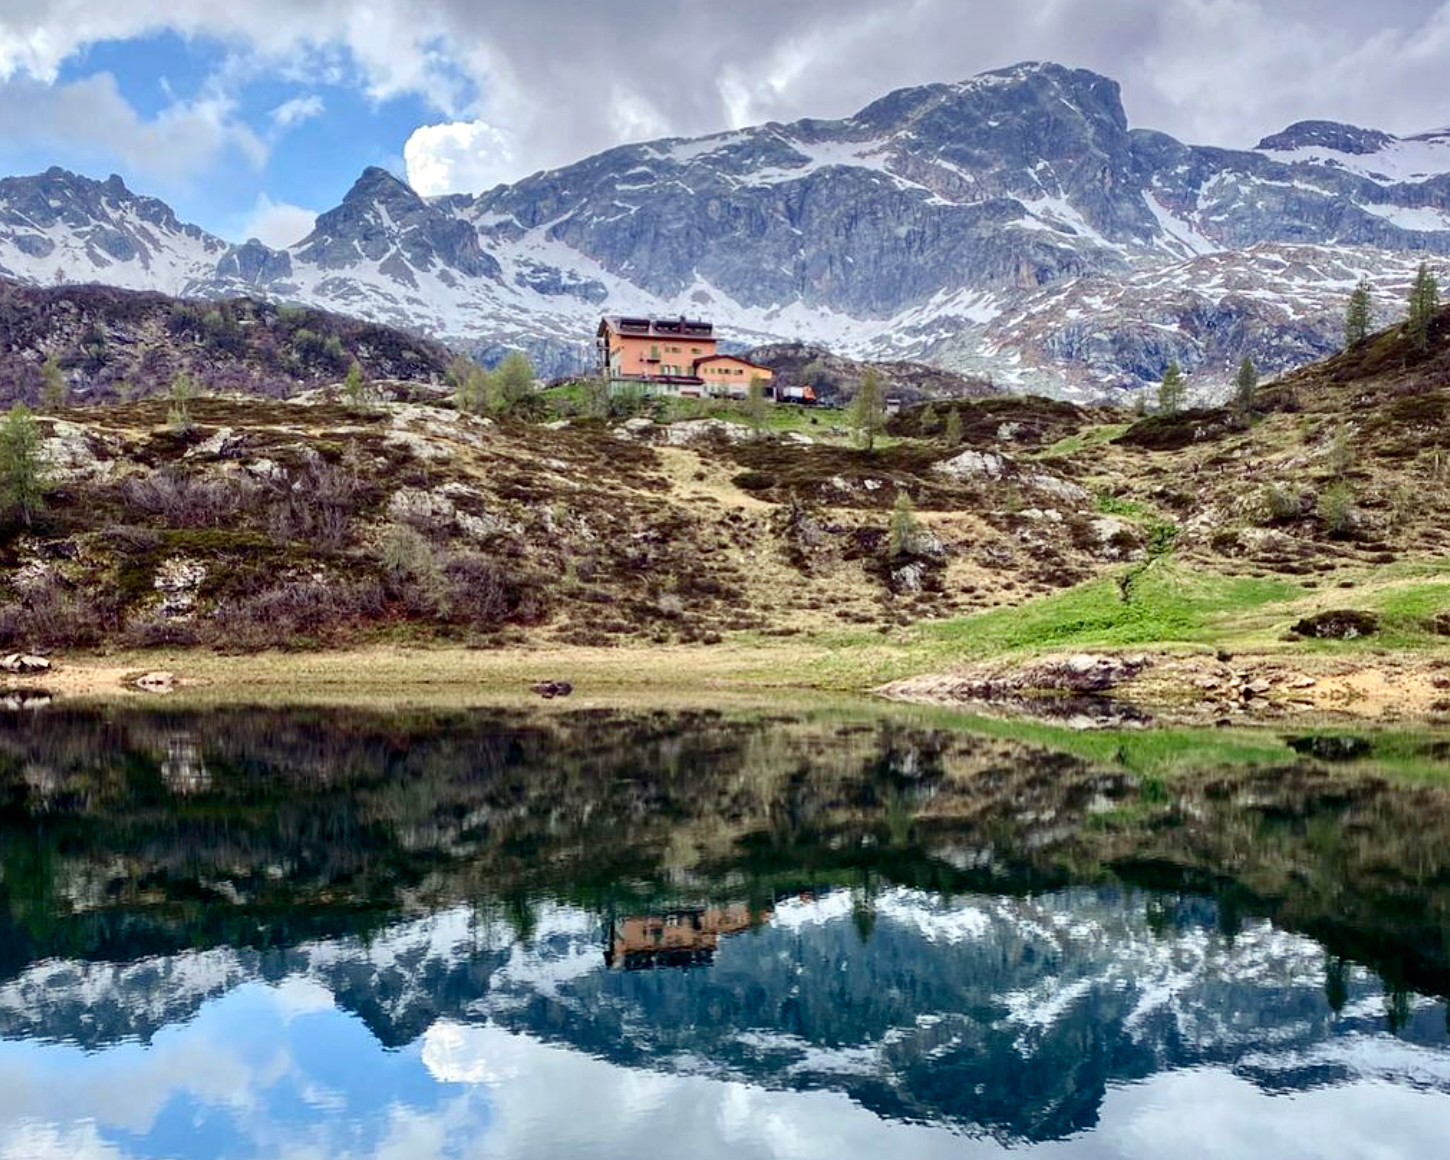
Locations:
column 676, row 356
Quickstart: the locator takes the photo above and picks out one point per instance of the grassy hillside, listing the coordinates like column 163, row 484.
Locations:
column 1050, row 526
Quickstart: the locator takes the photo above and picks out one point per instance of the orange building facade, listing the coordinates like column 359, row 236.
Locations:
column 673, row 356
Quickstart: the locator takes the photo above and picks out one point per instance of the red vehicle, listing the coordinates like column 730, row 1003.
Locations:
column 805, row 396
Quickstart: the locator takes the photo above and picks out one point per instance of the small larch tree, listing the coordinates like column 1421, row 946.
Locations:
column 868, row 409
column 1356, row 318
column 1424, row 302
column 904, row 533
column 355, row 387
column 23, row 482
column 52, row 385
column 594, row 397
column 928, row 421
column 756, row 407
column 952, row 434
column 183, row 390
column 1246, row 387
column 1172, row 390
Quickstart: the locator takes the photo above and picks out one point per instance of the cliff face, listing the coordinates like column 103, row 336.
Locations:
column 1012, row 225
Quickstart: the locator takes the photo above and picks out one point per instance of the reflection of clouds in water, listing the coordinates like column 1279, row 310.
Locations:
column 549, row 1101
column 264, row 1071
column 553, row 1102
column 1211, row 1115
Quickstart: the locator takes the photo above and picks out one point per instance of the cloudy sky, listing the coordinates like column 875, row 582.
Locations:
column 251, row 115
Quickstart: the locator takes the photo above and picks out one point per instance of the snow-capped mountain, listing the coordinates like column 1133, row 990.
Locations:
column 983, row 1013
column 1012, row 224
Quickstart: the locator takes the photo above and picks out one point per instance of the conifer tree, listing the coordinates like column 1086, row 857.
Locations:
column 52, row 385
column 1246, row 386
column 354, row 386
column 1424, row 302
column 183, row 390
column 904, row 531
column 22, row 465
column 953, row 435
column 1172, row 390
column 1356, row 319
column 928, row 419
column 868, row 410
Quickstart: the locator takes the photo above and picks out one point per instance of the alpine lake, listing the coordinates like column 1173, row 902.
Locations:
column 838, row 931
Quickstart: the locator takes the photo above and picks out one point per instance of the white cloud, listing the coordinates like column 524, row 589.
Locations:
column 290, row 114
column 530, row 85
column 461, row 156
column 278, row 224
column 91, row 115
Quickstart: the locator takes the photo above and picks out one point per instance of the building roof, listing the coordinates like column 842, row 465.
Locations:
column 658, row 327
column 733, row 358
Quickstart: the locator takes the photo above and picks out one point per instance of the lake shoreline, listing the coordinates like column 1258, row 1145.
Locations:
column 1164, row 686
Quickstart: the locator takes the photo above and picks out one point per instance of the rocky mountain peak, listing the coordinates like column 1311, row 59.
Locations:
column 376, row 184
column 383, row 220
column 1341, row 138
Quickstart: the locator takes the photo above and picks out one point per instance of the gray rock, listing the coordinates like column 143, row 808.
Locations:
column 973, row 465
column 21, row 663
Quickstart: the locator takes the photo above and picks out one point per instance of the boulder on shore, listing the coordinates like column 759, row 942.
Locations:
column 551, row 689
column 24, row 663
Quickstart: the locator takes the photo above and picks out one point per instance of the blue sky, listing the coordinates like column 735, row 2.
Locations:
column 251, row 117
column 312, row 154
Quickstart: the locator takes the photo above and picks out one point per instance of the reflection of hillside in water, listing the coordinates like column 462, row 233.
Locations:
column 948, row 926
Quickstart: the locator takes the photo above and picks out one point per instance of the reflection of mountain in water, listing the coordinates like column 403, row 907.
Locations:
column 1004, row 1014
column 948, row 926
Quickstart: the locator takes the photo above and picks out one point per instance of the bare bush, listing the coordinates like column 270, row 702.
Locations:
column 51, row 614
column 481, row 594
column 151, row 631
column 187, row 501
column 320, row 509
column 284, row 614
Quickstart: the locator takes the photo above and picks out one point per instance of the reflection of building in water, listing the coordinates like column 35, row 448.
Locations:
column 683, row 937
column 183, row 770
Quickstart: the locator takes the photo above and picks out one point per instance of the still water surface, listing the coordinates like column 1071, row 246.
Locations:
column 327, row 934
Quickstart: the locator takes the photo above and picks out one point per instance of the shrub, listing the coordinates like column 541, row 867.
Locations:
column 1336, row 509
column 1278, row 505
column 512, row 381
column 319, row 509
